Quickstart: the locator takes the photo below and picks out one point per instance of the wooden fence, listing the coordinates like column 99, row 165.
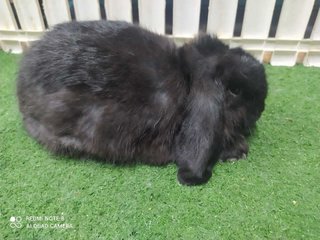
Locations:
column 23, row 21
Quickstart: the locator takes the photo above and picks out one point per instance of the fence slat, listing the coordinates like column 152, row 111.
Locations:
column 293, row 21
column 294, row 18
column 56, row 11
column 257, row 18
column 7, row 21
column 87, row 9
column 221, row 17
column 29, row 15
column 284, row 58
column 315, row 35
column 256, row 23
column 186, row 17
column 312, row 59
column 119, row 10
column 313, row 56
column 152, row 15
column 11, row 46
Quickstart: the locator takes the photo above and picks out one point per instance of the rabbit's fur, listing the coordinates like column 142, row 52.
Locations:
column 116, row 91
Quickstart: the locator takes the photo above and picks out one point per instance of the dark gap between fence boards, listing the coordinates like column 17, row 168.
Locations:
column 135, row 11
column 13, row 8
column 312, row 19
column 204, row 9
column 275, row 18
column 43, row 15
column 168, row 17
column 239, row 18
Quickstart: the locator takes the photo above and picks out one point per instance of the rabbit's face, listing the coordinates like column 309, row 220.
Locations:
column 244, row 87
column 244, row 81
column 246, row 90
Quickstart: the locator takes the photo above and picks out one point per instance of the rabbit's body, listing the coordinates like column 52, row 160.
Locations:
column 111, row 93
column 116, row 91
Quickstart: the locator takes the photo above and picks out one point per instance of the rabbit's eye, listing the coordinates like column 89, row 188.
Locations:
column 234, row 91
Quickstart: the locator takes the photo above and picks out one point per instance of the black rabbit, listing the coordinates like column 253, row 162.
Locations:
column 116, row 91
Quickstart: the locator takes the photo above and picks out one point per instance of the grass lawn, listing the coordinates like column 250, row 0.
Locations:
column 274, row 194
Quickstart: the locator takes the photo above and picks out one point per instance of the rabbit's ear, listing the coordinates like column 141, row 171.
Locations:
column 225, row 67
column 220, row 70
column 198, row 144
column 189, row 56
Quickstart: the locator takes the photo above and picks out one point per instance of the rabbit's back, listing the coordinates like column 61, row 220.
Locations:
column 107, row 89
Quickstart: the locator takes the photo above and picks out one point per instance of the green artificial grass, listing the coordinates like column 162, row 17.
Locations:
column 274, row 194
